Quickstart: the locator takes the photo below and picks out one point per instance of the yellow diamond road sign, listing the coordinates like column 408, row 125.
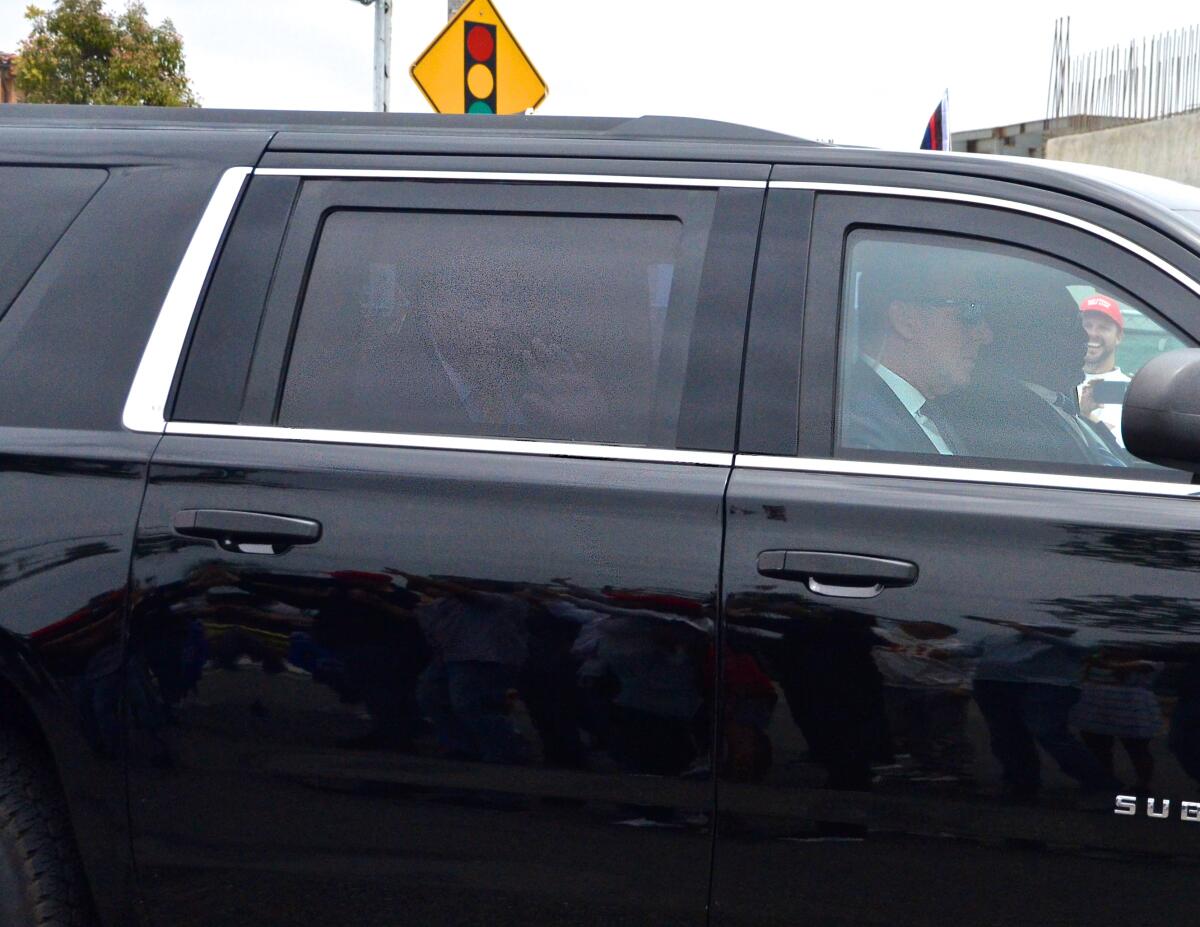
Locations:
column 476, row 66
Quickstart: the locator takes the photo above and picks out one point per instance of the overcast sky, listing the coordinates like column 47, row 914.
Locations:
column 855, row 72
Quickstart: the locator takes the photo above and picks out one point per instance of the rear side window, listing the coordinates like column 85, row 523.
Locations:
column 532, row 325
column 37, row 204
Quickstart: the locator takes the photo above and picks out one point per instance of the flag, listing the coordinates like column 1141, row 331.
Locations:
column 937, row 131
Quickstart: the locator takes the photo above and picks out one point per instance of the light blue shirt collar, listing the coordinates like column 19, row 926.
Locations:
column 912, row 399
column 905, row 391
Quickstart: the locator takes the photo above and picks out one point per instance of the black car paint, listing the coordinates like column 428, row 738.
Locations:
column 911, row 851
column 309, row 785
column 928, row 852
column 71, row 477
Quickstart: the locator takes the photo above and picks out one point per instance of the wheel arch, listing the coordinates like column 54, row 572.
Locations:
column 33, row 707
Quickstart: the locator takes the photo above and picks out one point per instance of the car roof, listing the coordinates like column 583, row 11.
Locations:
column 396, row 132
column 662, row 128
column 660, row 137
column 1170, row 193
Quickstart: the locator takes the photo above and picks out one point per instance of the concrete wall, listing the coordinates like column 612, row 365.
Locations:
column 1165, row 147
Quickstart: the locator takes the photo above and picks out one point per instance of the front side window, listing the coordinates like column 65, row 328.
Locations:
column 953, row 348
column 547, row 326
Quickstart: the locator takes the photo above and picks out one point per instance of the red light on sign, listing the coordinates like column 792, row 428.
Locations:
column 480, row 43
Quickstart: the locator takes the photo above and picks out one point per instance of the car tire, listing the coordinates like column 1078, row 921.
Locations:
column 41, row 877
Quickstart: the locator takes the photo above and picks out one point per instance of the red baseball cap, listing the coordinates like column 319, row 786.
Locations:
column 1105, row 306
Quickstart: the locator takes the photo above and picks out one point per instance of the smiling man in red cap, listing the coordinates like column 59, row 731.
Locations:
column 1105, row 326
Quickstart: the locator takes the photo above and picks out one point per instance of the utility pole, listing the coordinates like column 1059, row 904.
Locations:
column 383, row 52
column 453, row 6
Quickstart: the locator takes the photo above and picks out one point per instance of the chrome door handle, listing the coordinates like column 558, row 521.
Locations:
column 844, row 592
column 852, row 576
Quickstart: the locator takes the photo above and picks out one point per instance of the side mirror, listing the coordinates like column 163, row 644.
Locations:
column 1160, row 421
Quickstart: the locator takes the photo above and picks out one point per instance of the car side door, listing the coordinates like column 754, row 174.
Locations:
column 427, row 580
column 960, row 620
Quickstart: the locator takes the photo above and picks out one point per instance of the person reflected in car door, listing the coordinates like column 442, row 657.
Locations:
column 479, row 641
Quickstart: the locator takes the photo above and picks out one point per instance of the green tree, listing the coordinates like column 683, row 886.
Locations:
column 78, row 53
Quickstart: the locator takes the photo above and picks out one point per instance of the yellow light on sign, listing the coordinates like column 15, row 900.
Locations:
column 476, row 66
column 480, row 81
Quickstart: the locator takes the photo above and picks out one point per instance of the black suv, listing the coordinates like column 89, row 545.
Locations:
column 589, row 521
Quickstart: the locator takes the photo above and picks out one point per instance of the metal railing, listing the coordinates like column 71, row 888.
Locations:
column 1148, row 78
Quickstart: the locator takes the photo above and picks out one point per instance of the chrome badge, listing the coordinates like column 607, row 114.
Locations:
column 1157, row 808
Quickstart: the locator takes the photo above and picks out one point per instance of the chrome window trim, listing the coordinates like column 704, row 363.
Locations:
column 997, row 202
column 531, row 177
column 147, row 399
column 969, row 474
column 965, row 475
column 534, row 448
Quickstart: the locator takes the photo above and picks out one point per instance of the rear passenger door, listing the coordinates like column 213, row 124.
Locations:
column 427, row 568
column 960, row 620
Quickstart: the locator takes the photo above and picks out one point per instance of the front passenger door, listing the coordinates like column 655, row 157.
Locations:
column 959, row 618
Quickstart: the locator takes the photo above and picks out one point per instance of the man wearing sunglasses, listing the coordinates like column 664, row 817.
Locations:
column 920, row 338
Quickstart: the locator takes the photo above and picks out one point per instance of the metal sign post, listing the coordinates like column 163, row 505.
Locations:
column 383, row 52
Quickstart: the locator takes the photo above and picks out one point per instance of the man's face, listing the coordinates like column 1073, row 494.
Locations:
column 943, row 333
column 1103, row 337
column 953, row 343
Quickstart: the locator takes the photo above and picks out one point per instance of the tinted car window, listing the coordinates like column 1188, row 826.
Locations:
column 72, row 339
column 955, row 348
column 556, row 327
column 36, row 206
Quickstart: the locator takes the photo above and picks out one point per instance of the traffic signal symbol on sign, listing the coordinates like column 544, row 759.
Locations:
column 480, row 67
column 476, row 66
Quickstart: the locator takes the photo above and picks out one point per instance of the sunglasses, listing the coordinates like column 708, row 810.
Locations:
column 970, row 311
